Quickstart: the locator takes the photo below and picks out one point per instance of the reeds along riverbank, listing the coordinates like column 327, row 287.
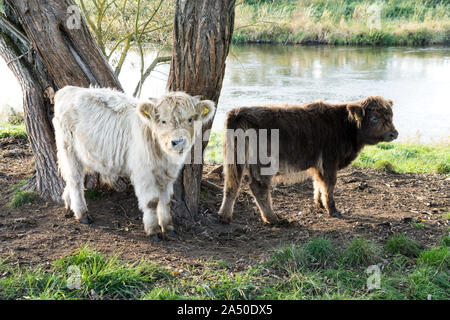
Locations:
column 340, row 22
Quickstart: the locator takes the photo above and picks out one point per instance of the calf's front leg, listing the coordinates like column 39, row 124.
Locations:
column 148, row 203
column 163, row 212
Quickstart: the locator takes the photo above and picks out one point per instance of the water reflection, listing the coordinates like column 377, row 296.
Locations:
column 416, row 79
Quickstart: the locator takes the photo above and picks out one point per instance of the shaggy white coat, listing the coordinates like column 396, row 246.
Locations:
column 105, row 131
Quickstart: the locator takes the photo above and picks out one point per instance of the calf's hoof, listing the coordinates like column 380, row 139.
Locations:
column 224, row 218
column 318, row 205
column 170, row 235
column 335, row 214
column 270, row 219
column 164, row 236
column 86, row 219
column 157, row 237
column 68, row 214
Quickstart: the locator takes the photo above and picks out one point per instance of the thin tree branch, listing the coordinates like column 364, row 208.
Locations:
column 149, row 70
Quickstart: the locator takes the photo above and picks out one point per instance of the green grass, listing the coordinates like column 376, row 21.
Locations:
column 406, row 157
column 18, row 186
column 390, row 157
column 343, row 22
column 314, row 254
column 401, row 244
column 91, row 194
column 320, row 252
column 21, row 198
column 99, row 277
column 13, row 130
column 361, row 253
column 108, row 277
column 445, row 241
column 289, row 258
column 436, row 257
column 312, row 270
column 214, row 151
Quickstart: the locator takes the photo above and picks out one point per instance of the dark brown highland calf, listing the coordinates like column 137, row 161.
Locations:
column 317, row 138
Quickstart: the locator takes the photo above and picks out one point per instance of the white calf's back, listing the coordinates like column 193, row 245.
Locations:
column 101, row 126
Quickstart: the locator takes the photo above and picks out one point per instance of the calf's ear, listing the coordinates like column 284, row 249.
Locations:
column 356, row 112
column 146, row 110
column 206, row 109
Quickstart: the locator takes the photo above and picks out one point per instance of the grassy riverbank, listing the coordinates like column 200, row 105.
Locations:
column 313, row 270
column 343, row 22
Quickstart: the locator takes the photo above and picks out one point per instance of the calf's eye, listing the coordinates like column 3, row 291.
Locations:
column 190, row 120
column 163, row 122
column 373, row 119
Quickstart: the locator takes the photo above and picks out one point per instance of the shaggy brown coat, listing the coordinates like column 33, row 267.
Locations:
column 317, row 137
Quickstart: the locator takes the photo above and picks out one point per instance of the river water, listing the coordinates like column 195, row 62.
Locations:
column 417, row 79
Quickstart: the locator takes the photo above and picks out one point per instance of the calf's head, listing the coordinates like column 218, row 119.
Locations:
column 172, row 119
column 373, row 117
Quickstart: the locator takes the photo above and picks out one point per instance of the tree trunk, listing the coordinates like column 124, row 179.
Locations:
column 69, row 53
column 202, row 36
column 48, row 45
column 46, row 179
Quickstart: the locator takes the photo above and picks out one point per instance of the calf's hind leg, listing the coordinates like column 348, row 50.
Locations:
column 233, row 177
column 73, row 194
column 72, row 173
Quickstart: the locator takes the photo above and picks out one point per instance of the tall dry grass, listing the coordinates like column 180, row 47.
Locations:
column 351, row 22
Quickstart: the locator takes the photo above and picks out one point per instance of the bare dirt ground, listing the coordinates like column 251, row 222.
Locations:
column 375, row 205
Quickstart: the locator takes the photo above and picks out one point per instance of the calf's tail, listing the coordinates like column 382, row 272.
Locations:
column 232, row 170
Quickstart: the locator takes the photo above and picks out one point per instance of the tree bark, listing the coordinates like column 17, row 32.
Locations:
column 69, row 53
column 49, row 53
column 202, row 37
column 46, row 180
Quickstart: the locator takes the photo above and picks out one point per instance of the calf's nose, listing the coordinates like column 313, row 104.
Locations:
column 178, row 142
column 393, row 135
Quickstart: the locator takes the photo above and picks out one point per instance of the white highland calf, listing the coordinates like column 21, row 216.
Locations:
column 105, row 131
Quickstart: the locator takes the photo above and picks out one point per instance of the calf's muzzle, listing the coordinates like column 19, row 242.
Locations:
column 390, row 136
